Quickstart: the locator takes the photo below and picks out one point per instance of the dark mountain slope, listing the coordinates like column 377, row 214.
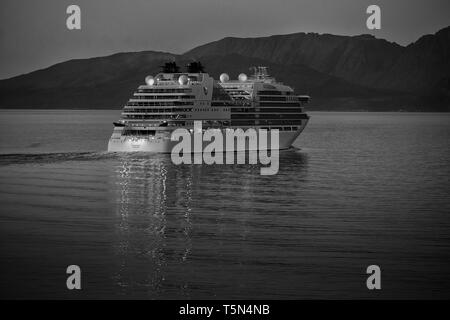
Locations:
column 109, row 81
column 424, row 64
column 104, row 82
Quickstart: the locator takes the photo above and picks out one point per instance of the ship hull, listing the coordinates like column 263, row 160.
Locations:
column 165, row 145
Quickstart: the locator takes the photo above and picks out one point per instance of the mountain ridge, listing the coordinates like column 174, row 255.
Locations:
column 358, row 72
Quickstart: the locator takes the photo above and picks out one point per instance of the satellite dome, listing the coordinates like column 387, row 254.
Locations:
column 183, row 80
column 149, row 80
column 242, row 77
column 224, row 77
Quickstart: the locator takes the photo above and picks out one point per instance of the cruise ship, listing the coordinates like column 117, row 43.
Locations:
column 174, row 99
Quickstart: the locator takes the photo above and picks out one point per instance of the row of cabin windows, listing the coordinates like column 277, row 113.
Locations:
column 264, row 98
column 159, row 104
column 229, row 104
column 153, row 116
column 242, row 111
column 281, row 128
column 265, row 122
column 237, row 92
column 261, row 98
column 285, row 104
column 157, row 123
column 211, row 109
column 156, row 110
column 266, row 110
column 281, row 110
column 236, row 109
column 269, row 116
column 246, row 87
column 143, row 133
column 274, row 92
column 159, row 90
column 190, row 103
column 140, row 97
column 261, row 104
column 138, row 132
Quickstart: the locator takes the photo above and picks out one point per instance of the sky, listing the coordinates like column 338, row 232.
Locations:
column 33, row 34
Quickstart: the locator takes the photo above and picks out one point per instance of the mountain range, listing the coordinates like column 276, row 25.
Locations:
column 339, row 72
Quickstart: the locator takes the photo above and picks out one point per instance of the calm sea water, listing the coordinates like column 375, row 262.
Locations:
column 364, row 188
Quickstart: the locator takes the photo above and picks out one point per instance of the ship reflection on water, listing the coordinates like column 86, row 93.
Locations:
column 184, row 231
column 367, row 188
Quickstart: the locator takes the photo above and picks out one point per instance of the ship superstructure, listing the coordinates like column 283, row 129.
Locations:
column 174, row 99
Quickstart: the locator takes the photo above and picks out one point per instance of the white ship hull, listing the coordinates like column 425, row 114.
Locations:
column 161, row 144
